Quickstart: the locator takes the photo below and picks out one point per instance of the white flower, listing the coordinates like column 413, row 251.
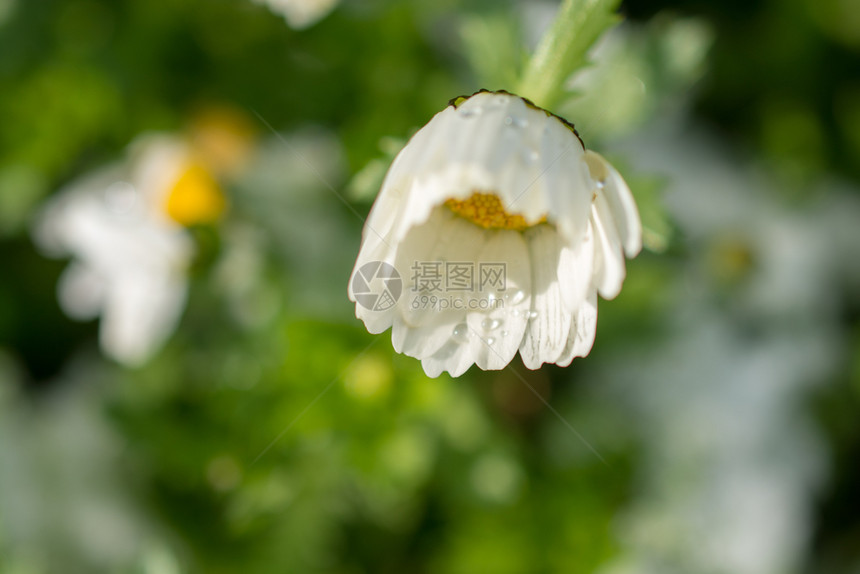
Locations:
column 124, row 228
column 491, row 180
column 300, row 13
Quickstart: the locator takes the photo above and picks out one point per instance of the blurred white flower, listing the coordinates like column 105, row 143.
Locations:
column 495, row 184
column 732, row 461
column 59, row 485
column 300, row 13
column 123, row 226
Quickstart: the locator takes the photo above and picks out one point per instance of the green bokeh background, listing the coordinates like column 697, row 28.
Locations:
column 273, row 433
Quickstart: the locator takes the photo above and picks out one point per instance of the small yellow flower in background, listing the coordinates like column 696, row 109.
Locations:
column 493, row 233
column 125, row 228
column 195, row 197
column 223, row 137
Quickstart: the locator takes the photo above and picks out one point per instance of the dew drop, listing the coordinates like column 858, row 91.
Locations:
column 490, row 340
column 460, row 334
column 515, row 298
column 601, row 184
column 533, row 315
column 504, row 333
column 490, row 324
column 515, row 122
column 470, row 112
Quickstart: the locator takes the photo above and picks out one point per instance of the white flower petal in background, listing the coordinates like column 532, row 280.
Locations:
column 732, row 460
column 494, row 180
column 141, row 312
column 81, row 292
column 123, row 227
column 300, row 13
column 59, row 460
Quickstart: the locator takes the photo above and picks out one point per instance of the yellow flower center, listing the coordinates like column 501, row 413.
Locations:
column 486, row 210
column 195, row 198
column 223, row 137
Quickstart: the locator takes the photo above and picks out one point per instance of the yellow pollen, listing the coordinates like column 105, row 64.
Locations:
column 486, row 210
column 195, row 198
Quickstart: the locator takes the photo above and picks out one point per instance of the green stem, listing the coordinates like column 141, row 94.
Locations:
column 564, row 47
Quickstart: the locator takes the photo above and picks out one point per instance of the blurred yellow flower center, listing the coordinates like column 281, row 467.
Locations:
column 195, row 198
column 223, row 137
column 486, row 210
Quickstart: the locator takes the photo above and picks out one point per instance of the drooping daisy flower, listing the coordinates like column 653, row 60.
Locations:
column 300, row 13
column 493, row 233
column 125, row 227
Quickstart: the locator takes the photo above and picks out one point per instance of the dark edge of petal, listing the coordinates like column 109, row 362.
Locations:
column 456, row 102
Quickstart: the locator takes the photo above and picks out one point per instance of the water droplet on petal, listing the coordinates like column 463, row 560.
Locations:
column 490, row 324
column 504, row 333
column 601, row 184
column 533, row 315
column 530, row 156
column 515, row 297
column 490, row 340
column 470, row 112
column 515, row 122
column 460, row 334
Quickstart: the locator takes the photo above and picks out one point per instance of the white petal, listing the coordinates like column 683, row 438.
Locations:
column 493, row 143
column 620, row 200
column 454, row 357
column 368, row 274
column 497, row 333
column 157, row 161
column 376, row 244
column 535, row 164
column 443, row 237
column 491, row 337
column 575, row 269
column 421, row 329
column 549, row 320
column 51, row 232
column 81, row 292
column 425, row 178
column 424, row 340
column 583, row 328
column 141, row 310
column 300, row 13
column 609, row 270
column 567, row 183
column 377, row 236
column 453, row 239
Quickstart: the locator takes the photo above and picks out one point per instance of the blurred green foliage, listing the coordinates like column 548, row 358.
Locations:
column 273, row 434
